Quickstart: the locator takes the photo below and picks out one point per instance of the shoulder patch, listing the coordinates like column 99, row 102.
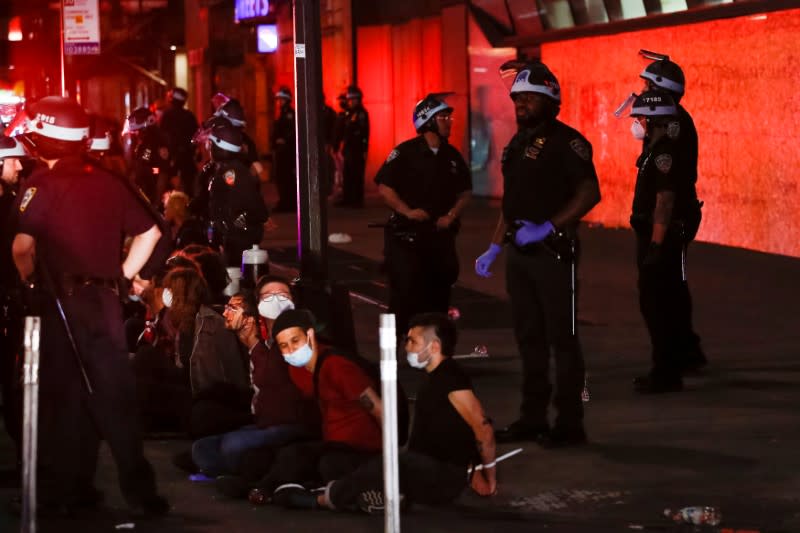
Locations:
column 26, row 199
column 664, row 163
column 393, row 155
column 582, row 148
column 230, row 177
column 674, row 129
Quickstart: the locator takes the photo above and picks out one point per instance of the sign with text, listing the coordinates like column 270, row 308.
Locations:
column 81, row 27
column 251, row 9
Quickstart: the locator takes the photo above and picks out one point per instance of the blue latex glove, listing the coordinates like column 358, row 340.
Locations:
column 530, row 233
column 484, row 262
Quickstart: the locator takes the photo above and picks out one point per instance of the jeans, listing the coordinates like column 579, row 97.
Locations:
column 220, row 454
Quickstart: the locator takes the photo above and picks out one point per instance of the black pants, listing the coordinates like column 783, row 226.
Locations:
column 286, row 179
column 421, row 274
column 318, row 462
column 666, row 306
column 72, row 422
column 423, row 479
column 538, row 285
column 10, row 351
column 353, row 178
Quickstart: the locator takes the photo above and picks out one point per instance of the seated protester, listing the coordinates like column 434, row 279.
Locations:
column 281, row 415
column 348, row 402
column 274, row 295
column 208, row 355
column 184, row 228
column 450, row 433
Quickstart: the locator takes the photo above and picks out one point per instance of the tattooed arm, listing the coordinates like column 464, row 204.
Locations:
column 662, row 214
column 372, row 402
column 484, row 481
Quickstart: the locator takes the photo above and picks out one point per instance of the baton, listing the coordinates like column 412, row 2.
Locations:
column 30, row 415
column 503, row 457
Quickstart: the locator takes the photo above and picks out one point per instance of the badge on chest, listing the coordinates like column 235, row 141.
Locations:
column 532, row 151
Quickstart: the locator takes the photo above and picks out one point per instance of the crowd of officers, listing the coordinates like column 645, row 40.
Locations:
column 251, row 377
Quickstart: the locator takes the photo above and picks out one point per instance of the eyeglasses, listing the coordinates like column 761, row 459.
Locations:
column 232, row 308
column 446, row 118
column 272, row 295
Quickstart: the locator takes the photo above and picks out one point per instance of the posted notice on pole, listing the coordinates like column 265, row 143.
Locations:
column 81, row 27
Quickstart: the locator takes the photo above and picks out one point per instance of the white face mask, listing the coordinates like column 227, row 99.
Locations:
column 299, row 357
column 166, row 297
column 272, row 306
column 638, row 130
column 414, row 361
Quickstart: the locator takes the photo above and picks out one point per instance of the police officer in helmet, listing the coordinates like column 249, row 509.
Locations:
column 12, row 153
column 72, row 219
column 236, row 207
column 666, row 75
column 426, row 183
column 283, row 152
column 664, row 201
column 150, row 163
column 179, row 125
column 549, row 184
column 355, row 142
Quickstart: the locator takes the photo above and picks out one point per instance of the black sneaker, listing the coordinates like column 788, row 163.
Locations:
column 371, row 501
column 294, row 496
column 563, row 438
column 232, row 486
column 520, row 431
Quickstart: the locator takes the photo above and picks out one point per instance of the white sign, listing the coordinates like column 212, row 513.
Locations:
column 81, row 27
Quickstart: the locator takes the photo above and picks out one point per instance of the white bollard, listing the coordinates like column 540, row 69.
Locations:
column 30, row 424
column 391, row 477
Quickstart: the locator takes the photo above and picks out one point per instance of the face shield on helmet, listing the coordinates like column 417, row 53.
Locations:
column 140, row 119
column 663, row 73
column 233, row 111
column 427, row 108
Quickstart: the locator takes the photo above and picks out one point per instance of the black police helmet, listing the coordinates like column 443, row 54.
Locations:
column 233, row 111
column 141, row 118
column 354, row 92
column 536, row 78
column 666, row 75
column 178, row 95
column 654, row 104
column 57, row 127
column 426, row 109
column 227, row 137
column 11, row 147
column 284, row 93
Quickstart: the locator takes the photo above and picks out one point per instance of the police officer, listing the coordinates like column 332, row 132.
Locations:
column 668, row 76
column 179, row 125
column 283, row 152
column 236, row 207
column 549, row 184
column 150, row 163
column 12, row 152
column 355, row 141
column 72, row 219
column 664, row 199
column 427, row 185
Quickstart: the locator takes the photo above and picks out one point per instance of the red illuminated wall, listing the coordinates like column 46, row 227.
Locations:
column 397, row 66
column 742, row 76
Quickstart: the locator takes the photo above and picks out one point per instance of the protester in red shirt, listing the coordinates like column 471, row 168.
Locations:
column 351, row 409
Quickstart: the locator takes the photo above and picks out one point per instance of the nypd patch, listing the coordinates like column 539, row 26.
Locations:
column 230, row 177
column 392, row 156
column 582, row 148
column 664, row 163
column 26, row 199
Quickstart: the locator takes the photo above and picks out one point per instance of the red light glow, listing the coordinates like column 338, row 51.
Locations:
column 15, row 29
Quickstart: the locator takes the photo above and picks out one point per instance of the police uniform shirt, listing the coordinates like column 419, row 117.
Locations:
column 356, row 131
column 658, row 172
column 153, row 150
column 179, row 125
column 78, row 214
column 542, row 168
column 687, row 145
column 424, row 180
column 284, row 129
column 439, row 431
column 233, row 191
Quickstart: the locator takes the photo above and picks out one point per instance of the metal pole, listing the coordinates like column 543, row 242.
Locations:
column 63, row 67
column 391, row 474
column 30, row 427
column 311, row 205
